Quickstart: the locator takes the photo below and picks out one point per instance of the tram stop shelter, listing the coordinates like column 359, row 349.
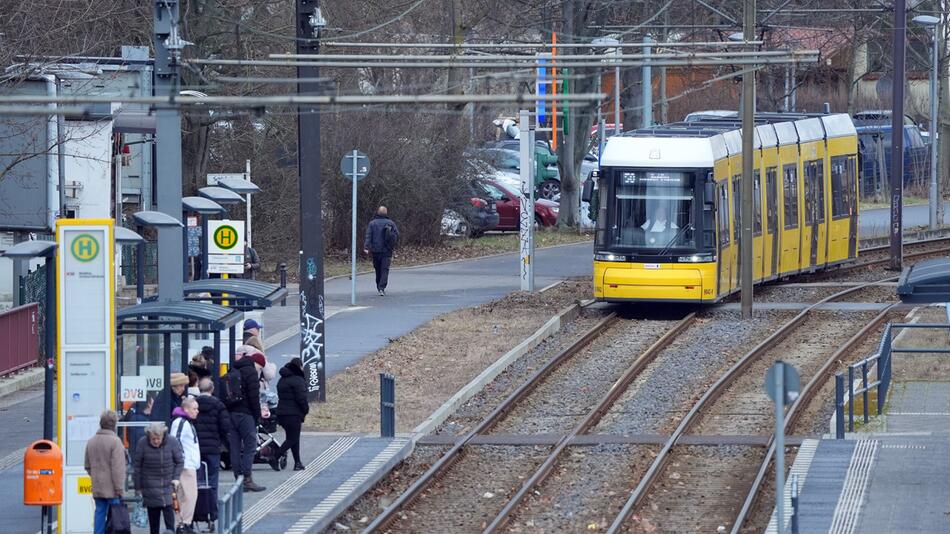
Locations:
column 149, row 334
column 925, row 282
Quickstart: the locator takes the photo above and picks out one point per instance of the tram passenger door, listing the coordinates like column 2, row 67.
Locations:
column 771, row 190
column 813, row 184
column 725, row 252
column 851, row 187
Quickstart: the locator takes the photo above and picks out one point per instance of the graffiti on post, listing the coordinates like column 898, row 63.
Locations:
column 312, row 345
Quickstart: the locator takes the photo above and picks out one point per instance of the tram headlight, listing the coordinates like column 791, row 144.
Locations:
column 606, row 256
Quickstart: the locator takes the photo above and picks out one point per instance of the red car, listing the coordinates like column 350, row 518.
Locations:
column 509, row 207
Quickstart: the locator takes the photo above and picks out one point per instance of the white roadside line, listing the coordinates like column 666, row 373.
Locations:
column 12, row 459
column 287, row 333
column 264, row 506
column 326, row 509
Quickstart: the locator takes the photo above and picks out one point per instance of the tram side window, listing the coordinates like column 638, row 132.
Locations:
column 736, row 214
column 814, row 192
column 724, row 214
column 839, row 187
column 790, row 175
column 851, row 184
column 771, row 205
column 757, row 202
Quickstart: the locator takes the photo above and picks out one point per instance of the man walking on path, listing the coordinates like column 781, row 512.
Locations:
column 381, row 239
column 241, row 393
column 105, row 463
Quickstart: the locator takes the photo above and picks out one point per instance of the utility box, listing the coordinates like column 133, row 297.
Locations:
column 43, row 474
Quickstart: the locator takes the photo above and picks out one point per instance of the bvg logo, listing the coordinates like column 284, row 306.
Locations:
column 85, row 248
column 225, row 237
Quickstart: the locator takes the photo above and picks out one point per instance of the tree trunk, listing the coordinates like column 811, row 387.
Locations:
column 943, row 112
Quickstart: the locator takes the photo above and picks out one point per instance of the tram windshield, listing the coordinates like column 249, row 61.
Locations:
column 654, row 209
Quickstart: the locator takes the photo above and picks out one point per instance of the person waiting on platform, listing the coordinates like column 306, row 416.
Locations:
column 659, row 222
column 156, row 468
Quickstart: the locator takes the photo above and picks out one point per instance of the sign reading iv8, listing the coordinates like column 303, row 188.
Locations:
column 226, row 247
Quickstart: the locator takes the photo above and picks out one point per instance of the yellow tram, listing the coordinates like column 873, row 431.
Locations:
column 667, row 219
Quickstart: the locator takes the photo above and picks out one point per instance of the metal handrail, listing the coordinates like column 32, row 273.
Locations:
column 231, row 509
column 883, row 363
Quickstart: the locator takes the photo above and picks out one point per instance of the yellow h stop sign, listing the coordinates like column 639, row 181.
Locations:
column 226, row 237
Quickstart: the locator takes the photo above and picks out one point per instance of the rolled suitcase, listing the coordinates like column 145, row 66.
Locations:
column 206, row 505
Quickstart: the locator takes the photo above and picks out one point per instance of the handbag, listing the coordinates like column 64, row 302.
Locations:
column 118, row 521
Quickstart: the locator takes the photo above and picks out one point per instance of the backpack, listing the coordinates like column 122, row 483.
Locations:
column 232, row 388
column 389, row 237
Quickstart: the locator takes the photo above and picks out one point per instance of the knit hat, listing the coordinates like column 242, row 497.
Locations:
column 258, row 358
column 179, row 379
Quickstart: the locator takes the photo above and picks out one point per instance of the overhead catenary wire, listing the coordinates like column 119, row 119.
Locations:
column 525, row 58
column 727, row 44
column 797, row 57
column 295, row 100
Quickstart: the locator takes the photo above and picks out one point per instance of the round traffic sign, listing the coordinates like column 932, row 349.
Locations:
column 362, row 165
column 225, row 237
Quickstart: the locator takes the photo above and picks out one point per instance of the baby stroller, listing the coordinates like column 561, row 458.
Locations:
column 268, row 448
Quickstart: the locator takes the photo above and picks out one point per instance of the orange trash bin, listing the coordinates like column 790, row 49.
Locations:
column 43, row 474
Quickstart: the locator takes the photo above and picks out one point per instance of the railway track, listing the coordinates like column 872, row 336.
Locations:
column 722, row 409
column 443, row 466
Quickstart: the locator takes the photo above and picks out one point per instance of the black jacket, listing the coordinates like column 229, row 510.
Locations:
column 212, row 425
column 375, row 238
column 166, row 393
column 154, row 468
column 292, row 392
column 251, row 382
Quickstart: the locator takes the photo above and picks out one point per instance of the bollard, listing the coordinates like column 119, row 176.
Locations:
column 282, row 269
column 839, row 406
column 794, row 504
column 387, row 405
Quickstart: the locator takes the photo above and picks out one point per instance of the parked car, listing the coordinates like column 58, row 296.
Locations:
column 508, row 201
column 471, row 211
column 548, row 181
column 874, row 149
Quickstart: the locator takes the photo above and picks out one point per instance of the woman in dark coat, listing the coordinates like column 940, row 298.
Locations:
column 155, row 470
column 292, row 407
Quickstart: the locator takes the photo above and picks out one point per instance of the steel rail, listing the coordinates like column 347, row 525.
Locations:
column 906, row 244
column 711, row 394
column 453, row 455
column 590, row 420
column 793, row 413
column 871, row 263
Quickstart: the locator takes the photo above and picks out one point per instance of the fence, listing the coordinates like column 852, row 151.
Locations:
column 19, row 338
column 231, row 509
column 882, row 361
column 387, row 405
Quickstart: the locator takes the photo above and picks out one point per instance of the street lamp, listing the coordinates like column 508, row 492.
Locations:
column 932, row 23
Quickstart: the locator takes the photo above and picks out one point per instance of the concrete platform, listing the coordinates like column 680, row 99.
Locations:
column 889, row 481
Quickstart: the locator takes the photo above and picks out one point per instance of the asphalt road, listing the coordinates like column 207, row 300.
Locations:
column 874, row 222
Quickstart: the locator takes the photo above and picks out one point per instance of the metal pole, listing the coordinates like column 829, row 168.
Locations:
column 311, row 223
column 780, row 450
column 50, row 340
column 526, row 204
column 748, row 110
column 897, row 135
column 139, row 269
column 247, row 204
column 647, row 84
column 353, row 155
column 617, row 95
column 934, row 196
column 204, row 246
column 168, row 147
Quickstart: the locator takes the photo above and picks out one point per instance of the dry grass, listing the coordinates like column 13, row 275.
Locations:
column 434, row 361
column 932, row 366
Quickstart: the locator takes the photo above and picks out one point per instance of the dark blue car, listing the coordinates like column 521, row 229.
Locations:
column 874, row 150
